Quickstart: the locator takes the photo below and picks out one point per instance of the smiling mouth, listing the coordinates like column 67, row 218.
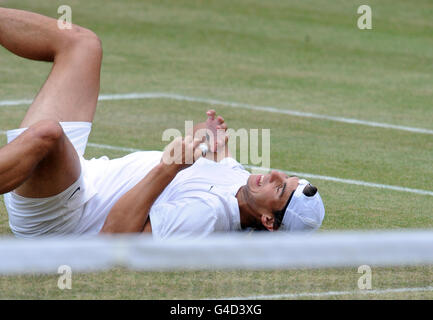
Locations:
column 259, row 180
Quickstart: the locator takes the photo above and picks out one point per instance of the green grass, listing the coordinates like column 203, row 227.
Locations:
column 123, row 284
column 302, row 55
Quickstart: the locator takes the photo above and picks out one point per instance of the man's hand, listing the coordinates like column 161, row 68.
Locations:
column 181, row 153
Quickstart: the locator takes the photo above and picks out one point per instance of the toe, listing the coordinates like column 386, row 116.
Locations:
column 211, row 114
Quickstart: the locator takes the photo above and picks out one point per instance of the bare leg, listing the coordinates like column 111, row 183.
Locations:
column 71, row 90
column 19, row 159
column 69, row 94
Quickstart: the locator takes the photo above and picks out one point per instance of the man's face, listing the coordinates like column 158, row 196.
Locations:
column 269, row 193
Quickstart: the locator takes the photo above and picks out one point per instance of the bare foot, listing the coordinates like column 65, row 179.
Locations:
column 218, row 128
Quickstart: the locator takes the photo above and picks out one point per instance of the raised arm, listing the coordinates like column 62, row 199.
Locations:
column 131, row 211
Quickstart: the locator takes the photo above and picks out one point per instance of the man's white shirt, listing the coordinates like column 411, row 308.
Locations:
column 200, row 200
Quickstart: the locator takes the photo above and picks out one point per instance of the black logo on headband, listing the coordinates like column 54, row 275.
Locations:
column 309, row 190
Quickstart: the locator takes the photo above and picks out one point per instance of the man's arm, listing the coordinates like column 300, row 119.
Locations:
column 131, row 211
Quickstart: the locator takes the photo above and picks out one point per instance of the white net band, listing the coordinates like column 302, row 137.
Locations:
column 225, row 251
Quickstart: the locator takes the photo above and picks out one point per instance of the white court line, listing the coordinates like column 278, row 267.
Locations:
column 106, row 146
column 130, row 96
column 327, row 294
column 15, row 102
column 300, row 174
column 156, row 95
column 346, row 181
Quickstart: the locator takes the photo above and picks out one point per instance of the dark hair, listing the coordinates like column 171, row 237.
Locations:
column 309, row 191
column 278, row 219
column 279, row 215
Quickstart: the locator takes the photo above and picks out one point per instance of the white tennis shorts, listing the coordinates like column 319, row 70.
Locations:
column 84, row 206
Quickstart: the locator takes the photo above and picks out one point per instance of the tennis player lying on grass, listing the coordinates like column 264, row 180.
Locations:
column 50, row 189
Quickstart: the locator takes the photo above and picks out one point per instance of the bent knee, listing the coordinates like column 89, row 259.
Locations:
column 87, row 39
column 46, row 134
column 80, row 40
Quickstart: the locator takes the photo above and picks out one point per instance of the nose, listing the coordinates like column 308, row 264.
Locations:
column 275, row 176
